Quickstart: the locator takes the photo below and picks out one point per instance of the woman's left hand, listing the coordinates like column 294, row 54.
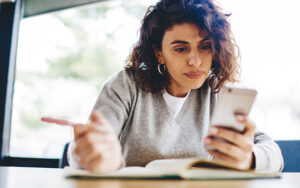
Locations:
column 238, row 149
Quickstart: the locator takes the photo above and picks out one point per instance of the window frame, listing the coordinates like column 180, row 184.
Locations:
column 10, row 16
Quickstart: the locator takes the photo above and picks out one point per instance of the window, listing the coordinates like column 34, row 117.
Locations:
column 63, row 58
column 268, row 35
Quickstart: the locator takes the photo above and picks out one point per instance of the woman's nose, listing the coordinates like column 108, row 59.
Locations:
column 195, row 59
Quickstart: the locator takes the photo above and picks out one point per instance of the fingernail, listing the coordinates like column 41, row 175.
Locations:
column 207, row 140
column 213, row 130
column 240, row 117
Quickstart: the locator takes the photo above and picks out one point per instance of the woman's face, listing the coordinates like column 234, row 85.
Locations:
column 188, row 58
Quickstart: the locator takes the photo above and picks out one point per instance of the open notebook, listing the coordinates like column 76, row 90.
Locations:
column 189, row 168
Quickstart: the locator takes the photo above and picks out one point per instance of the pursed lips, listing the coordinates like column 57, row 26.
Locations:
column 195, row 75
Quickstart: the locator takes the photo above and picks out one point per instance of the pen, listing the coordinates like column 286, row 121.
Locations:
column 57, row 121
column 71, row 124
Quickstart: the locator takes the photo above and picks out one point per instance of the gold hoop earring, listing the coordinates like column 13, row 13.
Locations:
column 159, row 71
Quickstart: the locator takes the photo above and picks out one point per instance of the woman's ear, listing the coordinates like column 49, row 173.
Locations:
column 158, row 56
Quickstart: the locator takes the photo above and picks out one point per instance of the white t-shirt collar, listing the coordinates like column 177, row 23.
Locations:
column 174, row 103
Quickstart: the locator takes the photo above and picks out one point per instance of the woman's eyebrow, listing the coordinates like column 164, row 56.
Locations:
column 204, row 40
column 178, row 42
column 185, row 42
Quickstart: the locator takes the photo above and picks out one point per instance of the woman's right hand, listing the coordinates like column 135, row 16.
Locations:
column 97, row 146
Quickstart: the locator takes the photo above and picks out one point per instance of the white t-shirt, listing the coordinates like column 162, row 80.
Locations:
column 174, row 103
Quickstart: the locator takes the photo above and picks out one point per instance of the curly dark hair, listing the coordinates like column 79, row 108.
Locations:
column 208, row 17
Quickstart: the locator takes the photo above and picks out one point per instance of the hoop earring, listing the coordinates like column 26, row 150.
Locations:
column 159, row 71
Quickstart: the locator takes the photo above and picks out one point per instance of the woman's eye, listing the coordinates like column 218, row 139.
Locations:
column 180, row 49
column 205, row 47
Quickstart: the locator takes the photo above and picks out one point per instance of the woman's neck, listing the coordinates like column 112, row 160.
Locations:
column 176, row 92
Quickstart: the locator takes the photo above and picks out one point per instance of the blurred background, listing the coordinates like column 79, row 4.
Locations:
column 63, row 59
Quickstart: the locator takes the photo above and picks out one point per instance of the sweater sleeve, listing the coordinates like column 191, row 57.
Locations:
column 114, row 103
column 267, row 153
column 115, row 100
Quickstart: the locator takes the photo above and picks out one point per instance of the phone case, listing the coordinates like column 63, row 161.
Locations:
column 232, row 101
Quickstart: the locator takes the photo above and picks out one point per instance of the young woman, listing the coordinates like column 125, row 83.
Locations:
column 160, row 106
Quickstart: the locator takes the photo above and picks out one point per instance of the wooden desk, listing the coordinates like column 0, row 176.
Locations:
column 11, row 177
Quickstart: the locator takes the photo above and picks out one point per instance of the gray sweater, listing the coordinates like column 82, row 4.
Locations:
column 147, row 131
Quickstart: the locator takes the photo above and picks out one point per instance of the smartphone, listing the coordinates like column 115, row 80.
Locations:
column 231, row 101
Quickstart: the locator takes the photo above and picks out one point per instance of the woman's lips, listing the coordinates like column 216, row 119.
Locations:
column 194, row 75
